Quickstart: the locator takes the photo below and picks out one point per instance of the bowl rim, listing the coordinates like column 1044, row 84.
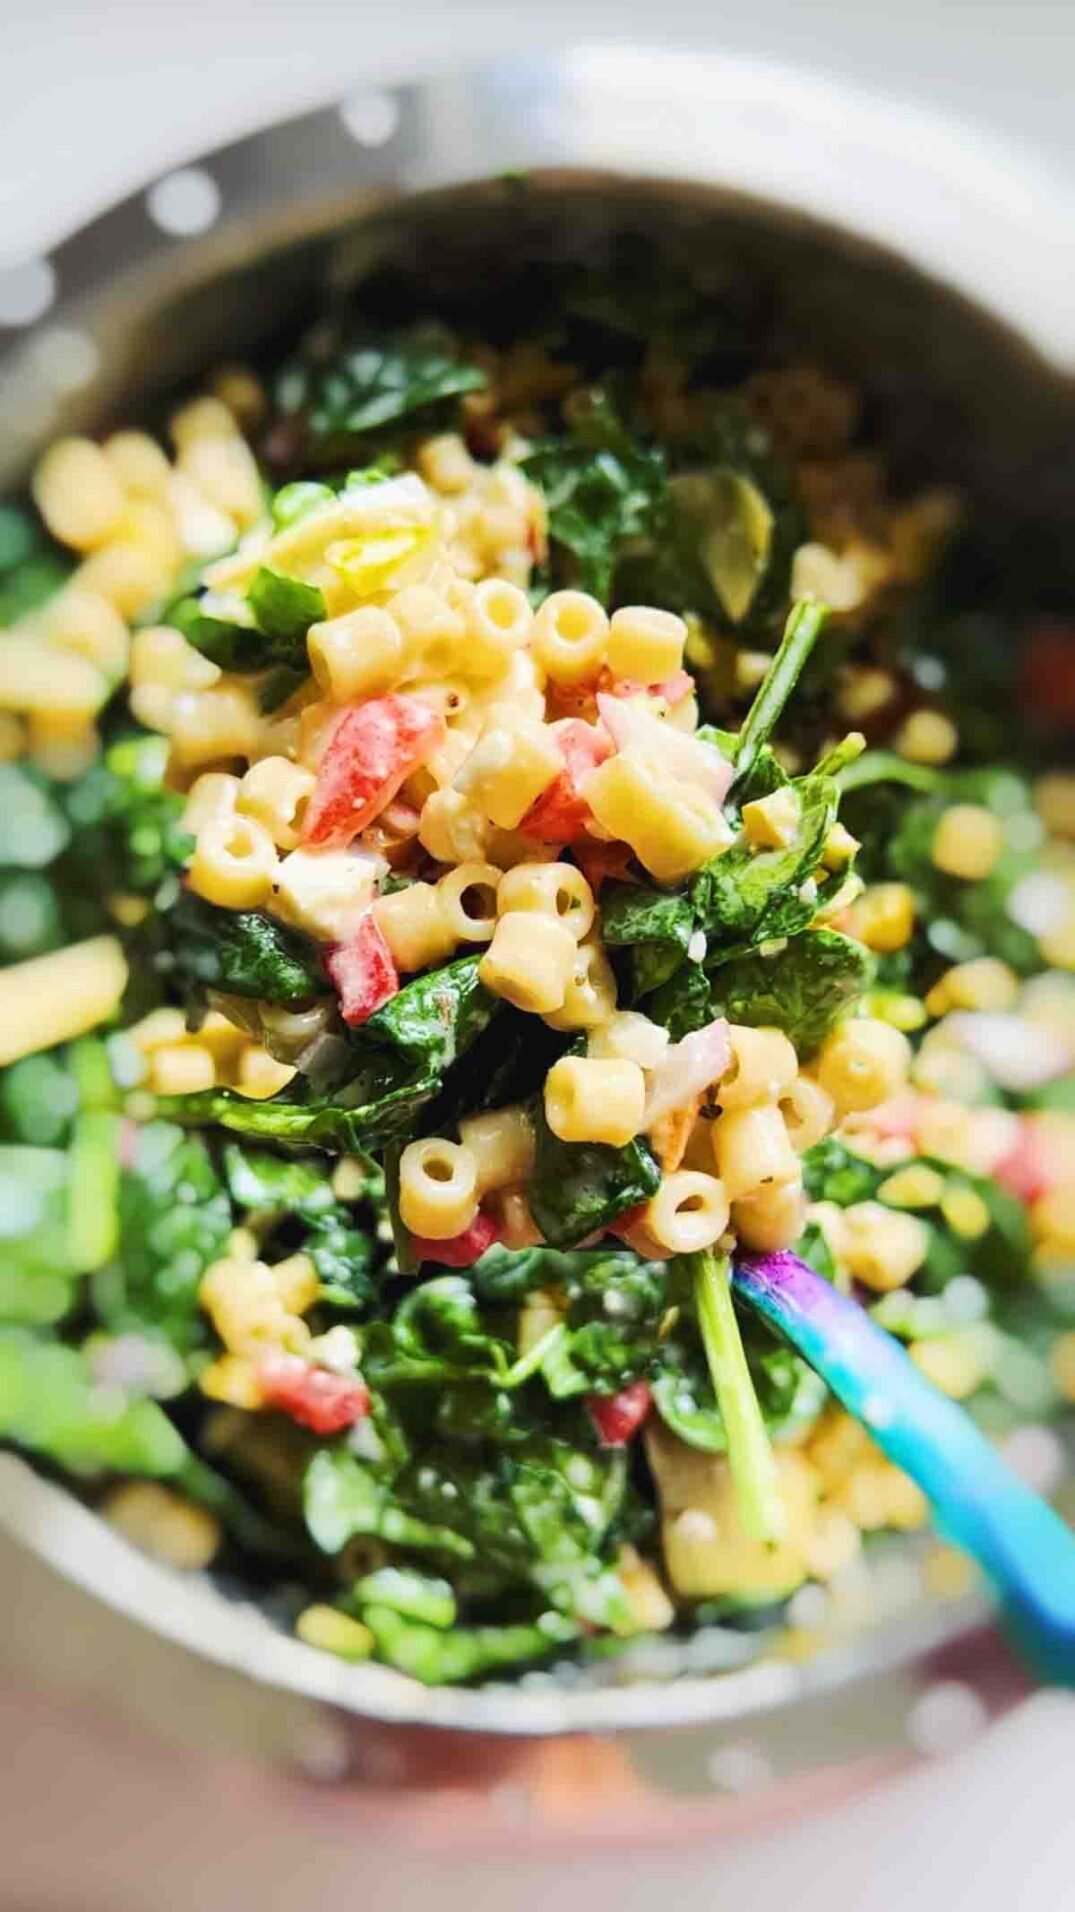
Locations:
column 997, row 232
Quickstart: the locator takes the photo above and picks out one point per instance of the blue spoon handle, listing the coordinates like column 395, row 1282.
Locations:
column 980, row 1503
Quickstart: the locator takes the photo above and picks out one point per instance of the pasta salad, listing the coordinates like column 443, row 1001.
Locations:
column 490, row 829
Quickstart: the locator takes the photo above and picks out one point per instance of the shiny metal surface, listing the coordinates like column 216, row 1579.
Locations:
column 881, row 250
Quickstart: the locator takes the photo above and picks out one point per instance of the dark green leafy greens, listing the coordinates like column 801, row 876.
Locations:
column 373, row 388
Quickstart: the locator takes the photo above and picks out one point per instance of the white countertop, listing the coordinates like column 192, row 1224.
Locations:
column 98, row 99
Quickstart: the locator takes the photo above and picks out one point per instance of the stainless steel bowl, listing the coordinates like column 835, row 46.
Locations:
column 931, row 272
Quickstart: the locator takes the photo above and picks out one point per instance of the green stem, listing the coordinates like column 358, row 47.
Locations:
column 529, row 1363
column 801, row 632
column 750, row 1455
column 841, row 756
column 883, row 766
column 93, row 1163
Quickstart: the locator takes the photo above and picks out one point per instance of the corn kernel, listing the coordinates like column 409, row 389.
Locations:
column 770, row 823
column 984, row 983
column 916, row 1186
column 927, row 737
column 161, row 1523
column 839, row 847
column 1054, row 797
column 331, row 1631
column 260, row 1075
column 865, row 693
column 957, row 1363
column 884, row 917
column 966, row 1212
column 967, row 842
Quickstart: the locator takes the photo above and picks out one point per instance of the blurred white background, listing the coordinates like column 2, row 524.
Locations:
column 99, row 95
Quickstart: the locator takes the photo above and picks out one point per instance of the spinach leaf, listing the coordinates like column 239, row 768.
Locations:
column 802, row 988
column 439, row 1323
column 789, row 1394
column 370, row 384
column 33, row 827
column 600, row 497
column 284, row 609
column 735, row 518
column 418, row 1596
column 36, row 1265
column 125, row 835
column 235, row 647
column 241, row 952
column 32, row 567
column 434, row 1019
column 655, row 925
column 258, row 1181
column 834, row 1173
column 174, row 1219
column 440, row 1658
column 316, row 1124
column 755, row 896
column 578, row 1188
column 52, row 1404
column 344, row 1497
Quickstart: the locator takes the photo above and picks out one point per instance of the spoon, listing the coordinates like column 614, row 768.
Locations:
column 980, row 1503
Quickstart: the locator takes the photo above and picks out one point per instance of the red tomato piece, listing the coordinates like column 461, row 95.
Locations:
column 362, row 972
column 316, row 1398
column 561, row 813
column 372, row 749
column 459, row 1251
column 617, row 1416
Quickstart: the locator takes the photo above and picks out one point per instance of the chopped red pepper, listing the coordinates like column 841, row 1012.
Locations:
column 561, row 813
column 362, row 972
column 459, row 1251
column 601, row 861
column 316, row 1398
column 371, row 751
column 617, row 1416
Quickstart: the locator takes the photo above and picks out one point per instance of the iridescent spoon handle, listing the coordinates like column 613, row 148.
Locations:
column 979, row 1502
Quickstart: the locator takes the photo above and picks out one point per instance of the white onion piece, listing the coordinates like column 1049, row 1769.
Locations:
column 687, row 1070
column 1019, row 1055
column 630, row 724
